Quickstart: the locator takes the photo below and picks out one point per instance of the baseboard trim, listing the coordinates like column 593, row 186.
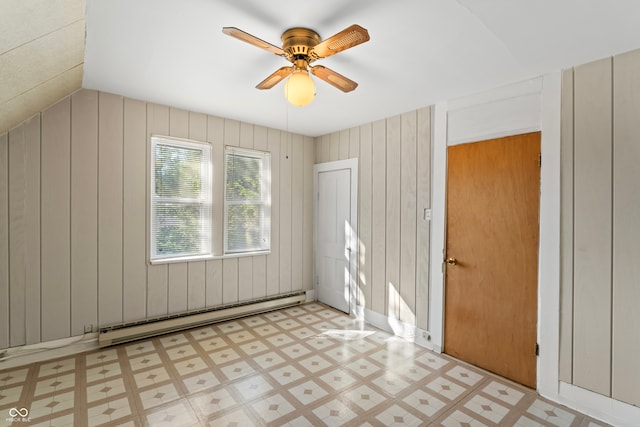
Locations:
column 41, row 352
column 398, row 328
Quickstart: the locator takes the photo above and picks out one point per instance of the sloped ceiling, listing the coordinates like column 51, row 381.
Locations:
column 421, row 52
column 173, row 52
column 41, row 55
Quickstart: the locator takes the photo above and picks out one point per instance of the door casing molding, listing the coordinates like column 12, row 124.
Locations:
column 528, row 106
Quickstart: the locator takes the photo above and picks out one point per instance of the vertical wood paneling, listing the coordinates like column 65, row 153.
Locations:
column 297, row 211
column 16, row 227
column 4, row 241
column 365, row 194
column 92, row 161
column 285, row 212
column 178, row 123
column 626, row 211
column 259, row 277
column 178, row 273
column 246, row 135
column 593, row 235
column 408, row 224
column 393, row 216
column 84, row 211
column 55, row 202
column 230, row 287
column 198, row 127
column 110, row 173
column 196, row 277
column 344, row 140
column 317, row 150
column 178, row 276
column 32, row 232
column 379, row 218
column 157, row 275
column 325, row 146
column 566, row 232
column 213, row 283
column 334, row 147
column 307, row 225
column 260, row 142
column 245, row 278
column 232, row 132
column 394, row 157
column 354, row 143
column 134, row 252
column 273, row 259
column 196, row 280
column 423, row 201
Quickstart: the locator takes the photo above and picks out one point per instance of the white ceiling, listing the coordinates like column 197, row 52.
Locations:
column 421, row 52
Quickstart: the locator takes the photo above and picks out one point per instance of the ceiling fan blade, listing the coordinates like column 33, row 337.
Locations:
column 275, row 78
column 253, row 40
column 345, row 39
column 333, row 78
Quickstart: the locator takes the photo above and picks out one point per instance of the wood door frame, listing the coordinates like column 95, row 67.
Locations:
column 352, row 166
column 545, row 117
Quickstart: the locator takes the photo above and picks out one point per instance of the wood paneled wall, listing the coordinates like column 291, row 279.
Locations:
column 74, row 226
column 394, row 157
column 600, row 236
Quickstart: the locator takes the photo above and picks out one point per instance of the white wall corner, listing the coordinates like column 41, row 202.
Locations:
column 310, row 295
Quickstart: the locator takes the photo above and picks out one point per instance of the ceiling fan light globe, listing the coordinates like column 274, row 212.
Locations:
column 299, row 89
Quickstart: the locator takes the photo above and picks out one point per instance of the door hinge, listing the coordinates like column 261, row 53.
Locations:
column 540, row 160
column 537, row 349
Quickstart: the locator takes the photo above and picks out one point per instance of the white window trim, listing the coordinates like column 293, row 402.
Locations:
column 206, row 197
column 266, row 189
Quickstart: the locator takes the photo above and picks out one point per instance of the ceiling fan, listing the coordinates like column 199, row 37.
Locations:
column 301, row 47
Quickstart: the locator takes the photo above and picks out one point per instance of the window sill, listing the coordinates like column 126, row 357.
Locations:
column 206, row 257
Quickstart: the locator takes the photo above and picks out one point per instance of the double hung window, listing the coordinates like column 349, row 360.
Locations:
column 180, row 199
column 247, row 206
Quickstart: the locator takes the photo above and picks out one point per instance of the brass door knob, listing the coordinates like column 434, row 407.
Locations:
column 452, row 261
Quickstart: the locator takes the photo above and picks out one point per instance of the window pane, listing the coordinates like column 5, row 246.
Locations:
column 247, row 201
column 178, row 228
column 180, row 198
column 243, row 177
column 177, row 172
column 244, row 228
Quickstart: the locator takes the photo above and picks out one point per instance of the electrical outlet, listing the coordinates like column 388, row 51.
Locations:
column 88, row 329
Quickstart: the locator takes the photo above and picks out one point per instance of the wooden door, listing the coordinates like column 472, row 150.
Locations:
column 333, row 253
column 493, row 197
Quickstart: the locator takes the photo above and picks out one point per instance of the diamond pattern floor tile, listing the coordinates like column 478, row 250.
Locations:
column 307, row 365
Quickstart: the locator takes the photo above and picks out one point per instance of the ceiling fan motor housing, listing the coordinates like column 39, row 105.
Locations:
column 298, row 42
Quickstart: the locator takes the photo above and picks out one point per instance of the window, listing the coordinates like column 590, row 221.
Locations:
column 180, row 199
column 247, row 217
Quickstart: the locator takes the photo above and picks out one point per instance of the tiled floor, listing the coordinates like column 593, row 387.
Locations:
column 303, row 366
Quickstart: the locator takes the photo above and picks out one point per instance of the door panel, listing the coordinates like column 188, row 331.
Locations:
column 493, row 196
column 334, row 209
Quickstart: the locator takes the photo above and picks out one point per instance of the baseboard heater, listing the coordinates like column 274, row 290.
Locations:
column 121, row 333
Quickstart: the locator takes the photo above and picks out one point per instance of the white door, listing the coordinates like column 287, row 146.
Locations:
column 334, row 238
